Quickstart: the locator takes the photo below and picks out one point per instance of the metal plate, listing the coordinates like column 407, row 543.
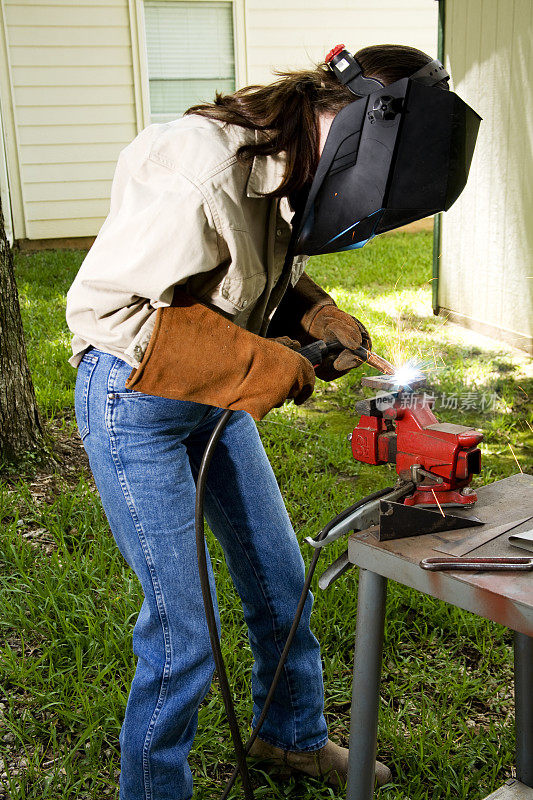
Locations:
column 397, row 520
column 389, row 383
column 474, row 539
column 512, row 790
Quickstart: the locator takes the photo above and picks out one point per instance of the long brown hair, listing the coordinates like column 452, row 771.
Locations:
column 288, row 110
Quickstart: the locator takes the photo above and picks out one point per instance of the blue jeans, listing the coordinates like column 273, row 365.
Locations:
column 144, row 453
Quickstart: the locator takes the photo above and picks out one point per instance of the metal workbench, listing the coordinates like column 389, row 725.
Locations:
column 506, row 598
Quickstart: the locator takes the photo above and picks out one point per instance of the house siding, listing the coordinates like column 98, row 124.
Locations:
column 487, row 237
column 72, row 90
column 295, row 34
column 77, row 88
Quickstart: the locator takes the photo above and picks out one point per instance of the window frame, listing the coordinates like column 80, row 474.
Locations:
column 140, row 58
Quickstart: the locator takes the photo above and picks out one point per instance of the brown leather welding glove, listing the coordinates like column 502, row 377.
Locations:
column 286, row 341
column 198, row 355
column 300, row 315
column 330, row 323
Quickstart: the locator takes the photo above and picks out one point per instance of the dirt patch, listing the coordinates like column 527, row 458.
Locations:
column 45, row 482
column 68, row 463
column 69, row 451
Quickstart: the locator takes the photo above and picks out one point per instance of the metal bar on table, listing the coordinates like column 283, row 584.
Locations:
column 523, row 672
column 366, row 681
column 471, row 542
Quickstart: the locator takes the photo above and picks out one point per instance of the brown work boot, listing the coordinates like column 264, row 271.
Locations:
column 330, row 762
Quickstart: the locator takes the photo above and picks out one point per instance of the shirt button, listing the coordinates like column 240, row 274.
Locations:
column 138, row 352
column 279, row 232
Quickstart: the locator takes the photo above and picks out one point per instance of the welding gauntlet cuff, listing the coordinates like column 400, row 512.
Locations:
column 308, row 313
column 198, row 355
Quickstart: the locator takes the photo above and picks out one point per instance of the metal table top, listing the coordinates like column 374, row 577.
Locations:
column 505, row 597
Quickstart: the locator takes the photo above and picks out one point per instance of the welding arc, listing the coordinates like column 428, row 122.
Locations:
column 242, row 750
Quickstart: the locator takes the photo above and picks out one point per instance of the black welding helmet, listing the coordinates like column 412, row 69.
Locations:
column 395, row 155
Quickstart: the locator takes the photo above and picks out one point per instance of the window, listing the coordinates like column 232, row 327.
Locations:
column 190, row 53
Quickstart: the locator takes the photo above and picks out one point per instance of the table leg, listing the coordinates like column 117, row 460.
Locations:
column 365, row 688
column 523, row 671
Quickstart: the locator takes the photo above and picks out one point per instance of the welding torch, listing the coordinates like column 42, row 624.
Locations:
column 317, row 351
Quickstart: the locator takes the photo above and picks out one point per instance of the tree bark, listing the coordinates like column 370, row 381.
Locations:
column 20, row 426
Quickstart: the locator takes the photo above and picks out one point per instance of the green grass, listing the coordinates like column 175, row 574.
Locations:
column 43, row 279
column 68, row 601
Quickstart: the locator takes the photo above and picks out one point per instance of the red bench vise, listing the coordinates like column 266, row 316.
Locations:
column 398, row 427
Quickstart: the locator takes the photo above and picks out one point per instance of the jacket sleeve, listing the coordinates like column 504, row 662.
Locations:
column 299, row 305
column 160, row 231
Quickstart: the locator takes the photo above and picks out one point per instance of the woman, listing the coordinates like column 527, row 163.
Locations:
column 181, row 286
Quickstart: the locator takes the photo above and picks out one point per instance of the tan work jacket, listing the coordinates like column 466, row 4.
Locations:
column 183, row 212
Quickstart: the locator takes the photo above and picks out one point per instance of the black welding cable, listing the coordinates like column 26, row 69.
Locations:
column 279, row 669
column 341, row 516
column 208, row 604
column 241, row 750
column 294, row 628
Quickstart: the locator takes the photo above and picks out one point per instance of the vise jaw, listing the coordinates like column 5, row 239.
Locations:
column 399, row 427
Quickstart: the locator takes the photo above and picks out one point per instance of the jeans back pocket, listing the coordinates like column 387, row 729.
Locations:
column 86, row 368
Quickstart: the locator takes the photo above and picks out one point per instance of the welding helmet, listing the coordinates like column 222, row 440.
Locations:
column 396, row 154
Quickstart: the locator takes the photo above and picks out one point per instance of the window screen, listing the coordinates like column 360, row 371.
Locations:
column 190, row 54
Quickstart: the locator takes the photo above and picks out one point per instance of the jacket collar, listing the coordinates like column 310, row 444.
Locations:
column 266, row 173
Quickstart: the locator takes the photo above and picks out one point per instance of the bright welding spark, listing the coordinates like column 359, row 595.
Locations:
column 406, row 374
column 437, row 502
column 515, row 458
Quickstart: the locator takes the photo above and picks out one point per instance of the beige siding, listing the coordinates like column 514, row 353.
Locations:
column 4, row 186
column 282, row 33
column 76, row 90
column 487, row 241
column 74, row 108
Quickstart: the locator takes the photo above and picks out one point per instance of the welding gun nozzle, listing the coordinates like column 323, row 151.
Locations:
column 317, row 351
column 384, row 366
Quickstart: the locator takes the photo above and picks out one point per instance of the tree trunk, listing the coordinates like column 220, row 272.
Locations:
column 20, row 426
